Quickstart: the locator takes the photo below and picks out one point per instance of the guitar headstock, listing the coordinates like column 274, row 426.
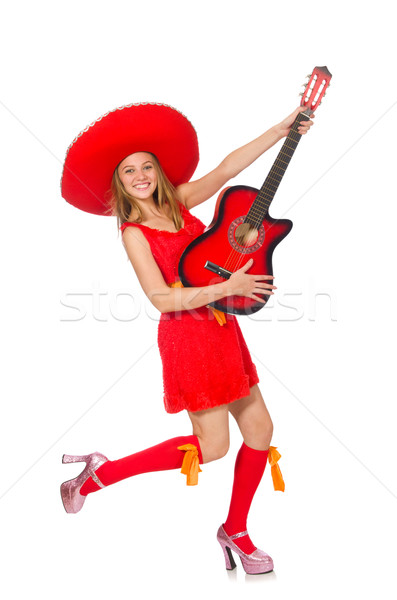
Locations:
column 315, row 88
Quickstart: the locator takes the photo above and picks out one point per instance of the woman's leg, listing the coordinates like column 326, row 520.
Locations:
column 256, row 427
column 206, row 425
column 162, row 457
column 253, row 419
column 211, row 427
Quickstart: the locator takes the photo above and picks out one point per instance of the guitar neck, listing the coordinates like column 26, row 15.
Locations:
column 261, row 204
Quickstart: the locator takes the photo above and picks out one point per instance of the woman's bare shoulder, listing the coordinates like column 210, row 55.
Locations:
column 132, row 235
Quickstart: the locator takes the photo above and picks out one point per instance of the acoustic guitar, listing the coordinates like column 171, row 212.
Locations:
column 242, row 227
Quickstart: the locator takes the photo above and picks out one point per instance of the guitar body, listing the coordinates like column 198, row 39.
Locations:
column 221, row 245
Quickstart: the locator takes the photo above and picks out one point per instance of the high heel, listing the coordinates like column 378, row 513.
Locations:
column 70, row 490
column 255, row 563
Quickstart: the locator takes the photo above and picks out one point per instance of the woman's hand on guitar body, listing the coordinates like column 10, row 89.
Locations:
column 285, row 126
column 241, row 283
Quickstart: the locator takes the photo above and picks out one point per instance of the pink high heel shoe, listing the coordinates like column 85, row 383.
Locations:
column 70, row 490
column 254, row 564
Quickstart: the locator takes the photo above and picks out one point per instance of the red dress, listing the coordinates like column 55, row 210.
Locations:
column 204, row 364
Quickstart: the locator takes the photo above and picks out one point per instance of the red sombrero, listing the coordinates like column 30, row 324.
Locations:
column 147, row 127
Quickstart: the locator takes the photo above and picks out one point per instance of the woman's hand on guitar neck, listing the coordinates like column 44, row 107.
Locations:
column 241, row 283
column 284, row 127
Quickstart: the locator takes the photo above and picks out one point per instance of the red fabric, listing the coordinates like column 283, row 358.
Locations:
column 248, row 471
column 204, row 364
column 163, row 457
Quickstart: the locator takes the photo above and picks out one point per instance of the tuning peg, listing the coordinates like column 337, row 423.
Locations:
column 309, row 75
column 301, row 94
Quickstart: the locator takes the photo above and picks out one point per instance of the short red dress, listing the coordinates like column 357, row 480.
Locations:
column 204, row 364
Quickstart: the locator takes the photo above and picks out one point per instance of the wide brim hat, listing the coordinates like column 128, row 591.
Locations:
column 144, row 127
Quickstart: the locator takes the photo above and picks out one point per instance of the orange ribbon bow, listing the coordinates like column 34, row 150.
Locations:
column 273, row 457
column 190, row 465
column 218, row 314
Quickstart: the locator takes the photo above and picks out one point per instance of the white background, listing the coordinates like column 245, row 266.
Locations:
column 89, row 379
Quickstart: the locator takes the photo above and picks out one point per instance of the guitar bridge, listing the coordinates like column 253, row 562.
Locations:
column 217, row 269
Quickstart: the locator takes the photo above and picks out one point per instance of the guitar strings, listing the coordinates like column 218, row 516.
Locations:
column 240, row 254
column 236, row 257
column 278, row 170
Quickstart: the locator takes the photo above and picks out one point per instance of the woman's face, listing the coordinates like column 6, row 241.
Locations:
column 138, row 175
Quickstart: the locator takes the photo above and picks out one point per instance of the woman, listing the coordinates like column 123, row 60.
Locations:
column 145, row 155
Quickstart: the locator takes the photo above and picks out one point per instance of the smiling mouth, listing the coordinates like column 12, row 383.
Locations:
column 142, row 186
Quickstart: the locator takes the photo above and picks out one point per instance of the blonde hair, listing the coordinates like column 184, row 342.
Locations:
column 122, row 203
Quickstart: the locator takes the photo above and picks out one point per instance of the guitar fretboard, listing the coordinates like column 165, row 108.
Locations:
column 260, row 206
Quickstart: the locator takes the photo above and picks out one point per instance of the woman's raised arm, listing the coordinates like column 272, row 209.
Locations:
column 195, row 192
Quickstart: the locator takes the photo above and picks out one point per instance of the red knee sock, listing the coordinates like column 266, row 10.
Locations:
column 162, row 457
column 248, row 471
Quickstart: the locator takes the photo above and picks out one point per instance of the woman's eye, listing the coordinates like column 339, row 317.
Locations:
column 148, row 167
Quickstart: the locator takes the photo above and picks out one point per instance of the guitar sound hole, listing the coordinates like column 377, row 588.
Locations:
column 246, row 235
